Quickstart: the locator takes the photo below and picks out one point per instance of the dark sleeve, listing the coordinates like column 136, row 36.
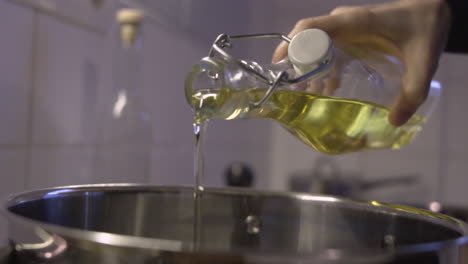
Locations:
column 458, row 36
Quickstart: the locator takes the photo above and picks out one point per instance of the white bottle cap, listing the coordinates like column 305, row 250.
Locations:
column 129, row 16
column 308, row 49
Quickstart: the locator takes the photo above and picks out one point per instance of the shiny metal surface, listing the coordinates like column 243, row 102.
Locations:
column 143, row 224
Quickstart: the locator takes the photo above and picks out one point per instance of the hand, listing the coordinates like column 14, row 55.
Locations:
column 413, row 30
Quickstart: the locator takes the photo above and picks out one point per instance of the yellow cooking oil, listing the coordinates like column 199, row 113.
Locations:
column 330, row 125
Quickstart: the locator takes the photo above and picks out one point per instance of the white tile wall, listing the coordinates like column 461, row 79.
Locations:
column 172, row 166
column 66, row 82
column 170, row 56
column 58, row 166
column 454, row 147
column 16, row 53
column 13, row 166
column 15, row 80
column 455, row 181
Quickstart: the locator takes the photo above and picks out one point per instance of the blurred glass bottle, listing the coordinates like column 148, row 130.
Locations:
column 336, row 100
column 124, row 127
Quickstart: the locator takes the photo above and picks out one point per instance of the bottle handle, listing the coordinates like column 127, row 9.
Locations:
column 224, row 41
column 271, row 89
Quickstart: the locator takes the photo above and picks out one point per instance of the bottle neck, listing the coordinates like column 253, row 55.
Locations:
column 127, row 62
column 323, row 67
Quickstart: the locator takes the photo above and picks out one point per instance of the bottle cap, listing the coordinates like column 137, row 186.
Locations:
column 129, row 16
column 308, row 49
column 129, row 20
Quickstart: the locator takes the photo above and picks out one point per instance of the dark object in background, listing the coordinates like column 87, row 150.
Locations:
column 239, row 174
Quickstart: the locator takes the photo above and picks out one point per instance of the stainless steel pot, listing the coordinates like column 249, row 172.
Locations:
column 142, row 224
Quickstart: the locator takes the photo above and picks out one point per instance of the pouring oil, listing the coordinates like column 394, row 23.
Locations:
column 328, row 124
column 199, row 132
column 199, row 128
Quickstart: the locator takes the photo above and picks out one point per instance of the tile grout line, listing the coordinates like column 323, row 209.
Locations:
column 32, row 93
column 58, row 145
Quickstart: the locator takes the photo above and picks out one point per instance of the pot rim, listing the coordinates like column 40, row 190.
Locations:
column 164, row 245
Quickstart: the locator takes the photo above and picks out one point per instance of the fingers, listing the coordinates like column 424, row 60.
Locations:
column 404, row 109
column 331, row 84
column 405, row 29
column 344, row 22
column 420, row 67
column 315, row 86
column 280, row 52
column 330, row 24
column 282, row 49
column 325, row 87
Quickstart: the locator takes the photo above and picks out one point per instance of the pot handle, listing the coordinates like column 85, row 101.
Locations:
column 50, row 247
